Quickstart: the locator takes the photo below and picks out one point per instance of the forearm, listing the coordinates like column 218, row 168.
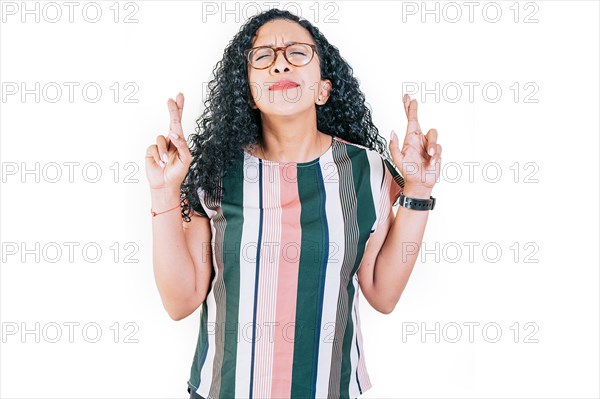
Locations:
column 174, row 270
column 399, row 252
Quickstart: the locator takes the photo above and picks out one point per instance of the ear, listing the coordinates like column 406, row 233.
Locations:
column 324, row 92
column 252, row 103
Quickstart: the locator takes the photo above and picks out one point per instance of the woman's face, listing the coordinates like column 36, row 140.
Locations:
column 290, row 100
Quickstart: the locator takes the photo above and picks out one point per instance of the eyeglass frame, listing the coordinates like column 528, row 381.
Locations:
column 276, row 50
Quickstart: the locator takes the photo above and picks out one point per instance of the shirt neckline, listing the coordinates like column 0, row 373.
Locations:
column 297, row 164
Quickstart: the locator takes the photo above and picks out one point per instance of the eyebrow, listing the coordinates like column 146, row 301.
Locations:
column 273, row 45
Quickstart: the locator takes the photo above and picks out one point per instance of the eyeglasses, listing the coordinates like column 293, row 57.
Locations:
column 297, row 54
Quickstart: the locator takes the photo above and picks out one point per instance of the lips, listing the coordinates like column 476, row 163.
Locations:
column 283, row 84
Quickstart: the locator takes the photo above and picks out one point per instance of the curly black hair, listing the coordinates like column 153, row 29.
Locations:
column 229, row 124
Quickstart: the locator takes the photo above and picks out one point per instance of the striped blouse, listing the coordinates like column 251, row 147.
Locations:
column 281, row 318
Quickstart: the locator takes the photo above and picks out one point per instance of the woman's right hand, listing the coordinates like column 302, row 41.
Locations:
column 168, row 161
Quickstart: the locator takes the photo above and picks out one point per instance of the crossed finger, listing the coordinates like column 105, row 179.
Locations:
column 411, row 109
column 413, row 130
column 175, row 113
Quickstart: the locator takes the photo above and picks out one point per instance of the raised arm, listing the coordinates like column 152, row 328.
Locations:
column 182, row 270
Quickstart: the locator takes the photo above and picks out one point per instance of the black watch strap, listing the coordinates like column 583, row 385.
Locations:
column 417, row 203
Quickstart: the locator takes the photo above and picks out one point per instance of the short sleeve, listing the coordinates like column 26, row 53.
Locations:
column 391, row 184
column 397, row 185
column 197, row 206
column 199, row 210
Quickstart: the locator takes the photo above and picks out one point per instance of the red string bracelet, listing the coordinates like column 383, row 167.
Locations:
column 158, row 213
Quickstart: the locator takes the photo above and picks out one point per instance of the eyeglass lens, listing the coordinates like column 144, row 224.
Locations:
column 296, row 54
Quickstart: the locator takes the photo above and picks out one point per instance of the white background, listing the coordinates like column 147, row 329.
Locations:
column 552, row 123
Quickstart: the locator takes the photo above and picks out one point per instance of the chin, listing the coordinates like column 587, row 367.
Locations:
column 284, row 108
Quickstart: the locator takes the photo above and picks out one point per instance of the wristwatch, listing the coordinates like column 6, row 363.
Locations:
column 417, row 203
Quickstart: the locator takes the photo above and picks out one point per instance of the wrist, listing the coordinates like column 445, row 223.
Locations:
column 164, row 198
column 420, row 192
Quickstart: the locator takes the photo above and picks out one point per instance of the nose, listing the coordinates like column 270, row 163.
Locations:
column 280, row 63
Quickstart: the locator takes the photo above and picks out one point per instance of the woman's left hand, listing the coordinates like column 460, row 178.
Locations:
column 419, row 159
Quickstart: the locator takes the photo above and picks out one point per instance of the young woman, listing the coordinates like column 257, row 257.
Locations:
column 286, row 195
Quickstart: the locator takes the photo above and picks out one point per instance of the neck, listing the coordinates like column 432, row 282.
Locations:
column 286, row 139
